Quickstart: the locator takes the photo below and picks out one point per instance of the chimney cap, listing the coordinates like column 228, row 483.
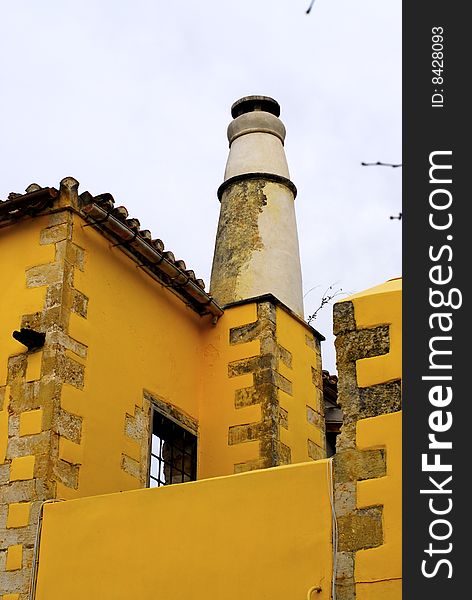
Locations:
column 253, row 103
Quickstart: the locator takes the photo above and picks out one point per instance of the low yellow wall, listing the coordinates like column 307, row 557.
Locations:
column 258, row 535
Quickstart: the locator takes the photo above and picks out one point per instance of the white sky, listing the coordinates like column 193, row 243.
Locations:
column 133, row 98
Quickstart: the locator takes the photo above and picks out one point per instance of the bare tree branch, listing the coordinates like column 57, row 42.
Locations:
column 381, row 164
column 310, row 290
column 308, row 11
column 329, row 295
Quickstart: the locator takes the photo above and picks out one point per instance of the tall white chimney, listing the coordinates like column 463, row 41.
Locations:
column 256, row 250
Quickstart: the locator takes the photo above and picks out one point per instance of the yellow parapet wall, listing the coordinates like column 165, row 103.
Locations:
column 368, row 473
column 376, row 306
column 380, row 568
column 262, row 534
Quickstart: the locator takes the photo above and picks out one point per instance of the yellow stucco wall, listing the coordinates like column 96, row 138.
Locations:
column 377, row 567
column 377, row 306
column 292, row 355
column 139, row 337
column 259, row 535
column 378, row 571
column 307, row 387
column 217, row 405
column 19, row 251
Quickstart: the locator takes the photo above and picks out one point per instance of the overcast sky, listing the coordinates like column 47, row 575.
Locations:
column 133, row 98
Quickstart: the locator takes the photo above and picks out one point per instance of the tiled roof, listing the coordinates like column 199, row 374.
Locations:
column 35, row 200
column 114, row 222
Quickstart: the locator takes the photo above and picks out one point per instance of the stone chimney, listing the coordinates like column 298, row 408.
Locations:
column 256, row 250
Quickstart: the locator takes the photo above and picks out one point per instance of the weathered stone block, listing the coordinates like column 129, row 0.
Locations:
column 131, row 466
column 136, row 427
column 315, row 452
column 380, row 399
column 70, row 371
column 284, row 356
column 244, row 366
column 17, row 367
column 310, row 342
column 55, row 233
column 44, row 275
column 16, row 582
column 67, row 473
column 74, row 255
column 54, row 295
column 79, row 303
column 345, row 498
column 362, row 343
column 244, row 333
column 356, row 465
column 283, row 383
column 33, row 321
column 257, row 394
column 58, row 338
column 360, row 530
column 316, row 377
column 285, row 455
column 315, row 418
column 343, row 317
column 4, row 473
column 24, row 397
column 249, row 465
column 69, row 426
column 28, row 445
column 238, row 434
column 19, row 491
column 345, row 566
column 283, row 418
column 345, row 590
column 22, row 535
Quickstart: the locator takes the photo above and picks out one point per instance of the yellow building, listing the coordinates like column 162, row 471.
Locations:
column 120, row 375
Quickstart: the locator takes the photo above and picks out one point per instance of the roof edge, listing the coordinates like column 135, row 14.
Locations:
column 274, row 300
column 100, row 213
column 150, row 258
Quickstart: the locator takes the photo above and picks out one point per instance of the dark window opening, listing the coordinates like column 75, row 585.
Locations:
column 331, row 443
column 173, row 453
column 333, row 413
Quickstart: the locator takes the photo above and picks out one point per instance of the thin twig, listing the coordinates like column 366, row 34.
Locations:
column 326, row 299
column 310, row 290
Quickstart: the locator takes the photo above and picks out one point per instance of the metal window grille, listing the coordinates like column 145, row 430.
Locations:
column 173, row 453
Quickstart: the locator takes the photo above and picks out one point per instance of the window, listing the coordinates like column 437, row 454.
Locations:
column 173, row 452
